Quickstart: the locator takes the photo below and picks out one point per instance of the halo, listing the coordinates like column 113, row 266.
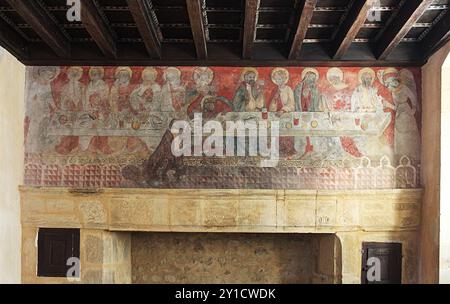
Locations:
column 207, row 99
column 390, row 71
column 280, row 70
column 310, row 70
column 149, row 69
column 170, row 70
column 364, row 71
column 125, row 69
column 335, row 72
column 102, row 70
column 247, row 70
column 206, row 70
column 36, row 70
column 76, row 68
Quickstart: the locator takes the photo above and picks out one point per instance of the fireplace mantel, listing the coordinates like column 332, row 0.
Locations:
column 222, row 210
column 111, row 215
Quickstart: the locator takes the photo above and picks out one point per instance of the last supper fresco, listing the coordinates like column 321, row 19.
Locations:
column 106, row 127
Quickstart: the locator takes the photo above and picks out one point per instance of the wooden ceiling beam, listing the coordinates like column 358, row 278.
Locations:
column 437, row 37
column 12, row 41
column 98, row 29
column 195, row 12
column 43, row 25
column 142, row 16
column 307, row 10
column 408, row 14
column 251, row 19
column 350, row 27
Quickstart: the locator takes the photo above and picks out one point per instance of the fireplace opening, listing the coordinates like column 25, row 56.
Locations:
column 198, row 258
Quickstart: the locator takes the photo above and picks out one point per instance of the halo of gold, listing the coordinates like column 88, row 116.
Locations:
column 390, row 71
column 367, row 70
column 120, row 69
column 171, row 69
column 149, row 69
column 246, row 70
column 283, row 70
column 77, row 69
column 102, row 71
column 210, row 73
column 335, row 71
column 310, row 70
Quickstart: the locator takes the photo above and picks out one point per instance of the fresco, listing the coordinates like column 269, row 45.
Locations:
column 340, row 128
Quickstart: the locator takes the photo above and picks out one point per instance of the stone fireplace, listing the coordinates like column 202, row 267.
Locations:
column 222, row 236
column 234, row 258
column 99, row 160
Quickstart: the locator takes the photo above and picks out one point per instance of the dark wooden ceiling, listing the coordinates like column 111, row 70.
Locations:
column 225, row 32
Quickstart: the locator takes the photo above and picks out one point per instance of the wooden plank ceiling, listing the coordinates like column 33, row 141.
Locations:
column 225, row 32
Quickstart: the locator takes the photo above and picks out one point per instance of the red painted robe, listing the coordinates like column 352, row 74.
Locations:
column 72, row 97
column 195, row 106
column 122, row 96
column 98, row 104
column 341, row 102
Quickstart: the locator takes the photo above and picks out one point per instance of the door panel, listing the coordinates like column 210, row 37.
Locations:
column 390, row 257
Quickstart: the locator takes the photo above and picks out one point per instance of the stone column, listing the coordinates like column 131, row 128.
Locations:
column 351, row 257
column 105, row 257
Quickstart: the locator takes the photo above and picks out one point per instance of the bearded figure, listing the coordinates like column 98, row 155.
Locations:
column 307, row 95
column 202, row 98
column 249, row 96
column 365, row 98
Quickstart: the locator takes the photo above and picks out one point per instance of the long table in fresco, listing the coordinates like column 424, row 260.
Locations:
column 314, row 124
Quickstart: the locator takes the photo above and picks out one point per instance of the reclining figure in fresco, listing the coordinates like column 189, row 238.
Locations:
column 161, row 170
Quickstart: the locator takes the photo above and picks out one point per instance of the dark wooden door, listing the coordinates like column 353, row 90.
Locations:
column 55, row 247
column 389, row 256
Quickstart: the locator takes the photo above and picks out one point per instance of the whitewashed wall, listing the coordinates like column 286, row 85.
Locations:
column 12, row 88
column 445, row 176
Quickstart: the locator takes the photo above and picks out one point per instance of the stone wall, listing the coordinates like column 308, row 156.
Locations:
column 112, row 216
column 12, row 88
column 225, row 258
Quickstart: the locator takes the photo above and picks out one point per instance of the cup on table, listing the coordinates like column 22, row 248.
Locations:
column 265, row 114
column 296, row 120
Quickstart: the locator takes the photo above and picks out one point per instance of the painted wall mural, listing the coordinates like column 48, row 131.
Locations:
column 340, row 128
